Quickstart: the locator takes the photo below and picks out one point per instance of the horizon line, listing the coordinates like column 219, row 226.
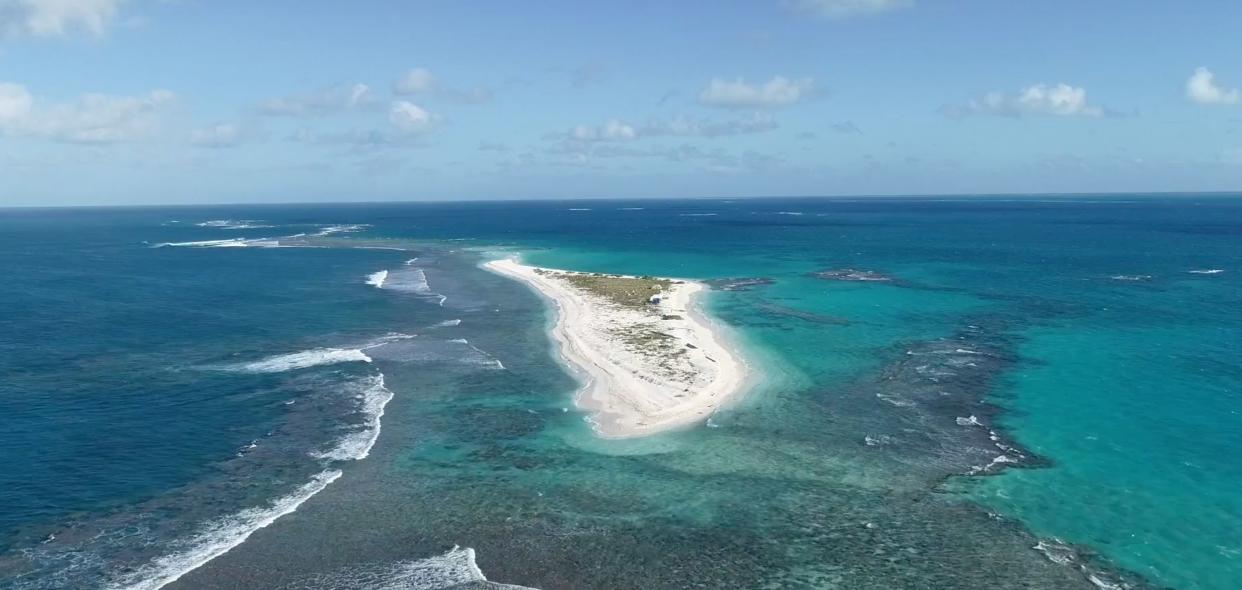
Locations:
column 878, row 196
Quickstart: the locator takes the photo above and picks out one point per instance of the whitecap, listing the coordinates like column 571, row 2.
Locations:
column 303, row 359
column 457, row 568
column 447, row 324
column 789, row 213
column 459, row 351
column 229, row 243
column 232, row 224
column 1131, row 277
column 376, row 279
column 970, row 421
column 1206, row 271
column 218, row 537
column 408, row 280
column 338, row 229
column 579, row 209
column 357, row 445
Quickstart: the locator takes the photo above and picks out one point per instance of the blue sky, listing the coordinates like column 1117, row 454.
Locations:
column 189, row 101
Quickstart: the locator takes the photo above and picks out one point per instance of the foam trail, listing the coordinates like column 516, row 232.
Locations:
column 357, row 445
column 337, row 229
column 455, row 569
column 217, row 538
column 301, row 360
column 409, row 280
column 232, row 224
column 447, row 323
column 376, row 279
column 1206, row 271
column 230, row 243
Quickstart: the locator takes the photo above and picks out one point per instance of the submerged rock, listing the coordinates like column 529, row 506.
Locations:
column 851, row 274
column 738, row 284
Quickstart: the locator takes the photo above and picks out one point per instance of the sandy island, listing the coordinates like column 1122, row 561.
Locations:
column 648, row 360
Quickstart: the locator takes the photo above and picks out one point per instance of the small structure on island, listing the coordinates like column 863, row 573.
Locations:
column 654, row 299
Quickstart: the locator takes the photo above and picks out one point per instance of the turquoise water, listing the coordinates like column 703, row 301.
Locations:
column 148, row 391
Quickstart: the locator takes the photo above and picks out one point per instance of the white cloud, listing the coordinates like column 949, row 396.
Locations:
column 220, row 135
column 327, row 101
column 683, row 126
column 615, row 130
column 15, row 102
column 420, row 81
column 777, row 92
column 416, row 81
column 409, row 118
column 846, row 8
column 1202, row 88
column 612, row 130
column 54, row 18
column 1060, row 100
column 92, row 118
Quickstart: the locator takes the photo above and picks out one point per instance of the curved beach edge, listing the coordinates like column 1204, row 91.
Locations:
column 630, row 392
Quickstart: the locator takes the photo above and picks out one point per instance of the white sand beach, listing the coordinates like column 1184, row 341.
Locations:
column 645, row 368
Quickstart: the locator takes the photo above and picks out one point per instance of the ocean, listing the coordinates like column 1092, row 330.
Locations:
column 982, row 392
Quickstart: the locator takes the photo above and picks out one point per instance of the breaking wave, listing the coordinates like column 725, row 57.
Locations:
column 229, row 243
column 233, row 224
column 376, row 279
column 457, row 351
column 406, row 280
column 315, row 357
column 217, row 537
column 340, row 229
column 457, row 568
column 301, row 360
column 356, row 445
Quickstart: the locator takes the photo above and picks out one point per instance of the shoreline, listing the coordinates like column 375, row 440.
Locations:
column 631, row 390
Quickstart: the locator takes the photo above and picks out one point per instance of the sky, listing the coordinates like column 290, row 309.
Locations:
column 226, row 101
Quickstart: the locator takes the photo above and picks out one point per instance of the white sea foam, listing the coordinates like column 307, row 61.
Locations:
column 789, row 213
column 408, row 280
column 631, row 209
column 1206, row 271
column 971, row 421
column 579, row 209
column 1131, row 277
column 455, row 569
column 339, row 229
column 411, row 261
column 405, row 280
column 303, row 359
column 357, row 445
column 447, row 324
column 217, row 537
column 376, row 279
column 232, row 224
column 229, row 243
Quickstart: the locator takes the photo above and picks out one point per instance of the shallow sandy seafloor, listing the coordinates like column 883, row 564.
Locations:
column 781, row 495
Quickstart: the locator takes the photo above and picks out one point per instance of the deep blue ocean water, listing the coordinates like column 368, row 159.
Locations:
column 1044, row 392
